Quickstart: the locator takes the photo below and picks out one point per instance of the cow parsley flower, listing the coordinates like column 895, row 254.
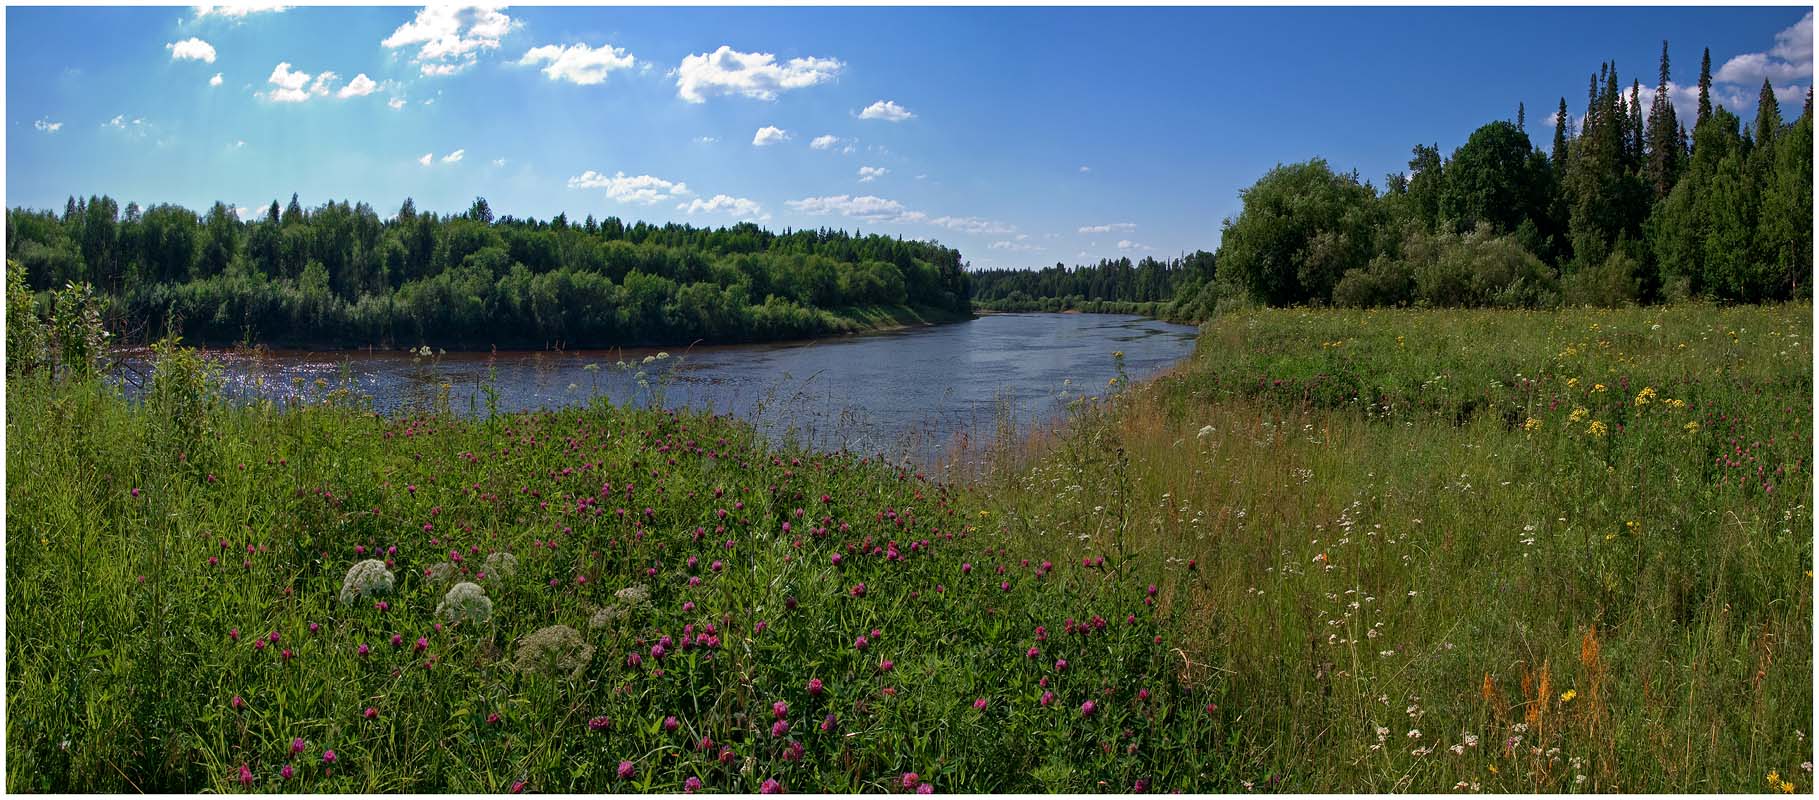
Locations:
column 555, row 650
column 501, row 565
column 467, row 602
column 368, row 578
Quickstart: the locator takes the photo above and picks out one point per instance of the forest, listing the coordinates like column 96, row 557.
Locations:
column 1111, row 284
column 341, row 275
column 1628, row 206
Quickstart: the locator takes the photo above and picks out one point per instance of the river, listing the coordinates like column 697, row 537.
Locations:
column 910, row 393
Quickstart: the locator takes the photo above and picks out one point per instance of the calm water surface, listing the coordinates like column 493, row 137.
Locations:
column 909, row 393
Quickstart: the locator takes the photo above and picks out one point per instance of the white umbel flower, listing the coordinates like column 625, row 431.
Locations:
column 467, row 602
column 555, row 650
column 366, row 579
column 500, row 565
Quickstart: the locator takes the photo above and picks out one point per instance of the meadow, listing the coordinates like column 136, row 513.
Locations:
column 1508, row 551
column 1335, row 551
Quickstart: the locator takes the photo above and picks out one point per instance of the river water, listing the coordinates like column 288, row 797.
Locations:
column 912, row 393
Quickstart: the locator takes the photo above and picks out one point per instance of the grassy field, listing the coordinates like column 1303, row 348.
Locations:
column 1337, row 551
column 1484, row 551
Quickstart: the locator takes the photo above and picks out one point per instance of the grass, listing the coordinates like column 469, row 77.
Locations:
column 1336, row 551
column 1486, row 551
column 174, row 571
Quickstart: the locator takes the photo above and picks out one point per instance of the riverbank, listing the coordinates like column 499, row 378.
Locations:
column 1454, row 550
column 1493, row 551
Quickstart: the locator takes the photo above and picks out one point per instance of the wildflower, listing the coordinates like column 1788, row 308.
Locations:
column 238, row 702
column 1047, row 698
column 1596, row 429
column 287, row 772
column 626, row 770
column 910, row 779
column 979, row 704
column 779, row 709
column 372, row 713
column 362, row 649
column 779, row 728
column 1087, row 708
column 600, row 723
column 297, row 746
column 328, row 756
column 1692, row 427
column 691, row 784
column 886, row 665
column 1532, row 425
column 927, row 788
column 246, row 775
column 466, row 602
column 1647, row 394
column 1597, row 388
column 770, row 786
column 366, row 579
column 1578, row 415
column 555, row 650
column 815, row 687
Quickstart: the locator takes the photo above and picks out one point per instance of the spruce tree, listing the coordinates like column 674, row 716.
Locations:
column 1560, row 123
column 1768, row 116
column 1521, row 117
column 1664, row 145
column 1705, row 88
column 1635, row 125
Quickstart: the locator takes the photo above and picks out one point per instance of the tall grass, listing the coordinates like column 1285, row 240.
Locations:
column 1488, row 551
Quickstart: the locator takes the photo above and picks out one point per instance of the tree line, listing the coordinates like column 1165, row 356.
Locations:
column 1626, row 207
column 1111, row 284
column 339, row 274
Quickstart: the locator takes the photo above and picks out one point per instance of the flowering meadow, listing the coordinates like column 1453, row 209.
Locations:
column 1472, row 551
column 1335, row 552
column 308, row 597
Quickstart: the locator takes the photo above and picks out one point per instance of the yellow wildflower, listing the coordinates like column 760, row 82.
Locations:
column 1572, row 383
column 1692, row 427
column 1597, row 387
column 1676, row 404
column 1596, row 429
column 1568, row 695
column 1532, row 424
column 1578, row 415
column 1633, row 526
column 1643, row 397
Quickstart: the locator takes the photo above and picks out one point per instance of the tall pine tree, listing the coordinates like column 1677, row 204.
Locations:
column 1560, row 123
column 1664, row 144
column 1705, row 88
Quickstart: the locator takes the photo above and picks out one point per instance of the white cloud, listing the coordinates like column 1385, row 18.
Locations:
column 1085, row 169
column 48, row 126
column 869, row 174
column 133, row 127
column 215, row 81
column 641, row 189
column 737, row 207
column 886, row 110
column 769, row 135
column 1014, row 246
column 449, row 38
column 292, row 86
column 1109, row 227
column 974, row 225
column 239, row 143
column 826, row 141
column 240, row 9
column 705, row 140
column 1126, row 244
column 498, row 162
column 1791, row 59
column 360, row 86
column 455, row 157
column 868, row 208
column 578, row 63
column 758, row 75
column 192, row 49
column 395, row 103
column 427, row 157
column 242, row 213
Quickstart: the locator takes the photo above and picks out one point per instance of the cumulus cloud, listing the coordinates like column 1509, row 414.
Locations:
column 578, row 63
column 215, row 81
column 192, row 49
column 360, row 86
column 869, row 174
column 736, row 207
column 427, row 157
column 974, row 225
column 886, row 110
column 293, row 86
column 239, row 10
column 1108, row 227
column 825, row 141
column 1014, row 246
column 498, row 162
column 455, row 157
column 867, row 208
column 449, row 38
column 769, row 135
column 1126, row 244
column 1791, row 59
column 48, row 126
column 757, row 75
column 396, row 103
column 640, row 189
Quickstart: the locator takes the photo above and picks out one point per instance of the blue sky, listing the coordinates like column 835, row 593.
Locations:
column 1021, row 136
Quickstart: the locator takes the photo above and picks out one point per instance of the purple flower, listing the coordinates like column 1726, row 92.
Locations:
column 1087, row 708
column 287, row 772
column 927, row 788
column 690, row 784
column 910, row 779
column 670, row 724
column 829, row 723
column 815, row 687
column 771, row 786
column 780, row 709
column 979, row 704
column 1047, row 698
column 328, row 756
column 626, row 770
column 779, row 728
column 886, row 665
column 246, row 776
column 297, row 745
column 599, row 723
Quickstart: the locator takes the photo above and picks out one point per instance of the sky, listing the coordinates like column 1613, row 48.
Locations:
column 1021, row 136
